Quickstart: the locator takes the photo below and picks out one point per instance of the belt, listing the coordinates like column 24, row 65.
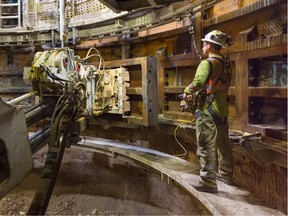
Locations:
column 217, row 119
column 197, row 114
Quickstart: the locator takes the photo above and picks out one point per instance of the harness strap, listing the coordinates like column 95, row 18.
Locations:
column 209, row 83
column 224, row 66
column 209, row 88
column 217, row 120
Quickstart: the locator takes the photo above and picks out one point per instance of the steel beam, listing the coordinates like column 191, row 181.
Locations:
column 99, row 29
column 23, row 97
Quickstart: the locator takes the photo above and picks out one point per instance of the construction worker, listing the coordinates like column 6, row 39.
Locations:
column 211, row 84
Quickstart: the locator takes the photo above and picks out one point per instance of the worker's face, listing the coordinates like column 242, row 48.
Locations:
column 205, row 48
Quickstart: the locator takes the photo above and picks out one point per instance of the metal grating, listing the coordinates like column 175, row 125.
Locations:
column 42, row 13
column 82, row 7
column 31, row 15
column 9, row 14
column 274, row 27
column 47, row 10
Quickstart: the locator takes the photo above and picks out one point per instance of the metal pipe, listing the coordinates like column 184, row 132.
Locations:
column 9, row 17
column 21, row 98
column 62, row 17
column 19, row 13
column 35, row 114
column 53, row 37
column 74, row 35
column 9, row 5
column 39, row 139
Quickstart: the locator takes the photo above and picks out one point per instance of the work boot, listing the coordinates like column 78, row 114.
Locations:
column 226, row 180
column 204, row 188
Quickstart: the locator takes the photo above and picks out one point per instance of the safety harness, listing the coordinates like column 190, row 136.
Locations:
column 206, row 95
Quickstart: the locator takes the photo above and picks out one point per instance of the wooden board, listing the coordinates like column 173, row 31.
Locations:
column 230, row 5
column 226, row 7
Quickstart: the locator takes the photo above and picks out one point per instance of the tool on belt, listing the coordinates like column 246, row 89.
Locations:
column 202, row 99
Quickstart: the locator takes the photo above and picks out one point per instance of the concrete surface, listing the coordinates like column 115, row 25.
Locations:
column 231, row 200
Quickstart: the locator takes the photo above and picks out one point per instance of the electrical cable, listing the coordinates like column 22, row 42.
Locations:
column 92, row 48
column 60, row 123
column 192, row 32
column 53, row 76
column 178, row 142
column 175, row 83
column 59, row 100
column 56, row 170
column 100, row 63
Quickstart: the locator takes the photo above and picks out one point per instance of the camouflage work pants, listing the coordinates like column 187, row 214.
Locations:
column 214, row 149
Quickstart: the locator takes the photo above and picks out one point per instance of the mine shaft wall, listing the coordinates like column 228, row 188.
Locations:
column 267, row 183
column 258, row 30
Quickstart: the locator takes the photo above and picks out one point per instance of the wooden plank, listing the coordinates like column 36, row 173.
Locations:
column 244, row 3
column 134, row 91
column 176, row 89
column 268, row 92
column 226, row 7
column 249, row 11
column 178, row 116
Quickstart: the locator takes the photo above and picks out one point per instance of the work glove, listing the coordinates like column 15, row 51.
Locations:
column 188, row 93
column 187, row 90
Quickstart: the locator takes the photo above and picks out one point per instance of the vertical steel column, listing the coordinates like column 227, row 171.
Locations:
column 25, row 12
column 74, row 35
column 53, row 37
column 0, row 14
column 19, row 13
column 62, row 20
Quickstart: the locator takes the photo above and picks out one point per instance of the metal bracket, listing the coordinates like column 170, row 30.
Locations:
column 260, row 149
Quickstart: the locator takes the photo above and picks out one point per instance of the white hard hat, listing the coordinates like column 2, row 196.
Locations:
column 217, row 37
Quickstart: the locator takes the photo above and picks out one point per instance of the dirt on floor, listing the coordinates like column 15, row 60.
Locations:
column 94, row 184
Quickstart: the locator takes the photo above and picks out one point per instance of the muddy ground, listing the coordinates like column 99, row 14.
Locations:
column 94, row 184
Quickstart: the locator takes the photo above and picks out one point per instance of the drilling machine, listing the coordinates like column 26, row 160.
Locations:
column 80, row 89
column 70, row 90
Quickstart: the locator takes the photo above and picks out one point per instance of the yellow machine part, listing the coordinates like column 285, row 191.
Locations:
column 49, row 58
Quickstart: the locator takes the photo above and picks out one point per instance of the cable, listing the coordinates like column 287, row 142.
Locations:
column 53, row 76
column 192, row 32
column 175, row 137
column 100, row 63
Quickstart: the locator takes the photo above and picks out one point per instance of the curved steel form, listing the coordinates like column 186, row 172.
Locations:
column 103, row 24
column 183, row 174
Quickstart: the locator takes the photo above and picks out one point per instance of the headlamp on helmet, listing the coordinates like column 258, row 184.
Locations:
column 217, row 37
